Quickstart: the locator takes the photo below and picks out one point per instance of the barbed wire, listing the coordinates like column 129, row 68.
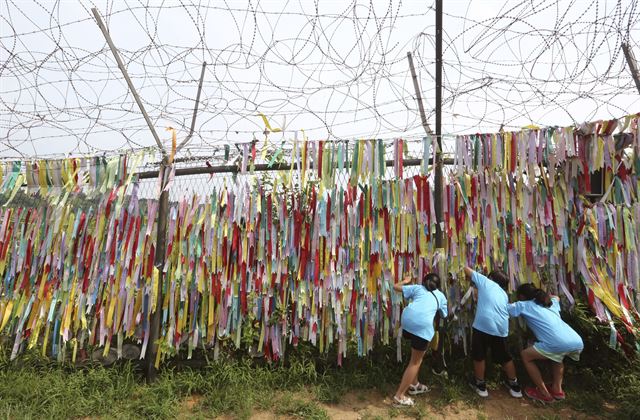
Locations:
column 336, row 70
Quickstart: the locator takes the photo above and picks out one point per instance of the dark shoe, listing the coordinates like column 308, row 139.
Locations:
column 480, row 387
column 514, row 388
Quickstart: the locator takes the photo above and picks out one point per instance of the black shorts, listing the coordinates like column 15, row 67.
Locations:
column 417, row 343
column 481, row 341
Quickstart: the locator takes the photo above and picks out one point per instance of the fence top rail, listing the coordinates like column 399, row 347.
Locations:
column 265, row 167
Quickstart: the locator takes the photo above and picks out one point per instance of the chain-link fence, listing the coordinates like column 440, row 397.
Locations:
column 80, row 195
column 269, row 161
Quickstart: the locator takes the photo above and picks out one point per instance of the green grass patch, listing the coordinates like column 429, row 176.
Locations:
column 603, row 382
column 300, row 409
column 33, row 387
column 31, row 392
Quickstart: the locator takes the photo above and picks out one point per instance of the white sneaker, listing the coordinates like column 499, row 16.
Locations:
column 514, row 389
column 404, row 402
column 479, row 388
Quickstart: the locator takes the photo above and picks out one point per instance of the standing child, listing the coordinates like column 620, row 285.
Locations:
column 490, row 330
column 417, row 326
column 555, row 340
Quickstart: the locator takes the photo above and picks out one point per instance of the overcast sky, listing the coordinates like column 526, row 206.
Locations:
column 336, row 69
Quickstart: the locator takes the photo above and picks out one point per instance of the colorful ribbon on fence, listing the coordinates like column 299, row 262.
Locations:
column 317, row 262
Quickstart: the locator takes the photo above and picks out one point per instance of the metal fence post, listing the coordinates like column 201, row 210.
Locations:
column 151, row 372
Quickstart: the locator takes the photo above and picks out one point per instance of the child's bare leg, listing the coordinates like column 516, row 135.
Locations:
column 558, row 373
column 410, row 373
column 529, row 356
column 478, row 369
column 510, row 370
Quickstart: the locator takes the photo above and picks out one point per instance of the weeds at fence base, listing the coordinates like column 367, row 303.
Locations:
column 306, row 385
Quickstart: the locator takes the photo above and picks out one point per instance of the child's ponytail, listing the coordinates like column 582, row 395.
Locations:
column 528, row 291
column 542, row 298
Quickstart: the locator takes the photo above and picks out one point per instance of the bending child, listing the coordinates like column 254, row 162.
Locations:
column 555, row 340
column 417, row 326
column 490, row 330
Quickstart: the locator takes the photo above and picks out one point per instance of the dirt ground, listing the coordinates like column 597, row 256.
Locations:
column 370, row 405
column 498, row 406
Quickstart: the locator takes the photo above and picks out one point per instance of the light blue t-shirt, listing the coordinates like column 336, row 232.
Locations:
column 492, row 316
column 553, row 334
column 417, row 317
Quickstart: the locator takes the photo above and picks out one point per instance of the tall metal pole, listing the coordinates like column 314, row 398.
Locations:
column 416, row 88
column 163, row 210
column 105, row 32
column 438, row 195
column 161, row 241
column 633, row 66
column 195, row 110
column 151, row 372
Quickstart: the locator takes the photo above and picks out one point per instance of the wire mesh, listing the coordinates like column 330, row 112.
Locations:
column 201, row 185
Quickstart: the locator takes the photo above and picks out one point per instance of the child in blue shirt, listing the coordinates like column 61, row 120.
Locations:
column 490, row 330
column 417, row 326
column 555, row 340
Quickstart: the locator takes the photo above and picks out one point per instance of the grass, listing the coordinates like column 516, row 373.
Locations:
column 36, row 388
column 229, row 387
column 32, row 387
column 454, row 388
column 300, row 409
column 29, row 392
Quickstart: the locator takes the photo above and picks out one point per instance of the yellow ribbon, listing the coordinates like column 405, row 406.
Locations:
column 268, row 129
column 174, row 144
column 16, row 188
